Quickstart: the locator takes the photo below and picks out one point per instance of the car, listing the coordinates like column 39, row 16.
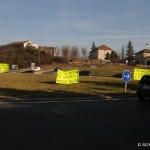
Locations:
column 143, row 88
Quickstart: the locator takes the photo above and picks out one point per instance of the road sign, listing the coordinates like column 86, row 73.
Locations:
column 126, row 76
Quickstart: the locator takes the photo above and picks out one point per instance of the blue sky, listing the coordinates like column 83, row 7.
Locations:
column 76, row 22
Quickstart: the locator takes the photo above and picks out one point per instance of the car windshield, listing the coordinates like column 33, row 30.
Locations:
column 145, row 80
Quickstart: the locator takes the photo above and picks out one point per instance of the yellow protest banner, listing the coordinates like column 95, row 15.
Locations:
column 4, row 67
column 138, row 73
column 67, row 77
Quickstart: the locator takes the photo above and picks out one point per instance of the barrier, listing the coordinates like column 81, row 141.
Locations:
column 4, row 67
column 67, row 77
column 138, row 73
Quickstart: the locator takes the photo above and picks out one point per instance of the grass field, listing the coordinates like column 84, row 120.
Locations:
column 34, row 86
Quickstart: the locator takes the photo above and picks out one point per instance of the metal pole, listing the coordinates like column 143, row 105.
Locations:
column 125, row 87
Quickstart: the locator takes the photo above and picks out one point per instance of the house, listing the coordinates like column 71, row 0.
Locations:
column 49, row 50
column 100, row 52
column 23, row 44
column 28, row 44
column 143, row 56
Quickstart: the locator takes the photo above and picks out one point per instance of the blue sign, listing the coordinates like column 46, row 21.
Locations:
column 126, row 76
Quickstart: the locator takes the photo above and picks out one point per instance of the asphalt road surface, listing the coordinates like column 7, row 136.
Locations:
column 118, row 124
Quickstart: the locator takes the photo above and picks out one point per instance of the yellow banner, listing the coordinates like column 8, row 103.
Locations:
column 138, row 73
column 4, row 67
column 67, row 77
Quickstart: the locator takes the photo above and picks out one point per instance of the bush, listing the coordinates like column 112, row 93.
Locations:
column 58, row 59
column 24, row 57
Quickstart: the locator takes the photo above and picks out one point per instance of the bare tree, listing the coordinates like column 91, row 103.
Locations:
column 74, row 52
column 65, row 52
column 84, row 52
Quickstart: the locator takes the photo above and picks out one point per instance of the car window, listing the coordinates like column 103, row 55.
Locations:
column 148, row 81
column 145, row 80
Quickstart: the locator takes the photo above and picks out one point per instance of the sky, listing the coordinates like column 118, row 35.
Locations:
column 78, row 23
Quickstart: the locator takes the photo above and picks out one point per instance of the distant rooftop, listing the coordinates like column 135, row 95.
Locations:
column 104, row 47
column 17, row 43
column 144, row 51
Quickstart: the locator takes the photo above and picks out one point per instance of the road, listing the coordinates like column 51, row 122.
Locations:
column 118, row 124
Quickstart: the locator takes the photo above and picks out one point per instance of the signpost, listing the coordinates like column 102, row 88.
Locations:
column 126, row 76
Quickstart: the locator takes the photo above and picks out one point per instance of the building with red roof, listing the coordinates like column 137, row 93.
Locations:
column 100, row 52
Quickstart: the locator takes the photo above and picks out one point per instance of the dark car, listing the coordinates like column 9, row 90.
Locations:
column 143, row 88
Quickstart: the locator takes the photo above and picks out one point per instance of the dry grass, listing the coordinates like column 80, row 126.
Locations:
column 32, row 86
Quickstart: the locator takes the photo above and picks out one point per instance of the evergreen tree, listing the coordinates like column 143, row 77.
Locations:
column 107, row 56
column 114, row 57
column 130, row 52
column 122, row 53
column 93, row 48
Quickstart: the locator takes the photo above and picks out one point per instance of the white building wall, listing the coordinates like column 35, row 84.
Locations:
column 26, row 44
column 146, row 55
column 33, row 45
column 102, row 54
column 30, row 44
column 56, row 52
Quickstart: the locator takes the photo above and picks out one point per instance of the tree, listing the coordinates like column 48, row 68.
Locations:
column 114, row 57
column 84, row 52
column 74, row 53
column 130, row 52
column 65, row 52
column 93, row 48
column 122, row 53
column 107, row 56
